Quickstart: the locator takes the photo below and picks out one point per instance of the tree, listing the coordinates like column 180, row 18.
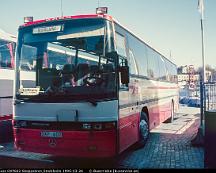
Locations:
column 208, row 68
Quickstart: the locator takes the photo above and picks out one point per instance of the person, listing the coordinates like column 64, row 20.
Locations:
column 55, row 87
column 69, row 80
column 68, row 75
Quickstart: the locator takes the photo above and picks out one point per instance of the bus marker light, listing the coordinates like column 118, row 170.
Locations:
column 101, row 10
column 28, row 19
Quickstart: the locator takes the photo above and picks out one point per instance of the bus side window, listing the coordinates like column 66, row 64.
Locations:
column 162, row 69
column 153, row 66
column 121, row 45
column 132, row 63
column 6, row 54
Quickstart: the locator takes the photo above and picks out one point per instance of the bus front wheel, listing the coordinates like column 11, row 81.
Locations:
column 143, row 130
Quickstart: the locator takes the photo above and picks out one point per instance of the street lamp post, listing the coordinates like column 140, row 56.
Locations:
column 203, row 50
column 199, row 139
column 201, row 10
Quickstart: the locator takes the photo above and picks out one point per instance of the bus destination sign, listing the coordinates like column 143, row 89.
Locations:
column 47, row 29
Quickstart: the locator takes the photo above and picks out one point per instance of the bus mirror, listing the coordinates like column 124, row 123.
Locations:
column 124, row 74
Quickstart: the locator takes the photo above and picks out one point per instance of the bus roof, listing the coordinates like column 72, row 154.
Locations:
column 84, row 16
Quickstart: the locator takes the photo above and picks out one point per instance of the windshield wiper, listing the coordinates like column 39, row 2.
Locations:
column 18, row 101
column 23, row 99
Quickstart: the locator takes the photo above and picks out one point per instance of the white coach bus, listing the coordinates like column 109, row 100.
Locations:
column 96, row 87
column 7, row 50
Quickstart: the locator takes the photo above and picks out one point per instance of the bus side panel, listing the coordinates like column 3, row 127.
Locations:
column 158, row 113
column 6, row 132
column 128, row 129
column 6, row 93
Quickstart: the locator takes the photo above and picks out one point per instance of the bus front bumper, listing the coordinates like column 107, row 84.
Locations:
column 82, row 144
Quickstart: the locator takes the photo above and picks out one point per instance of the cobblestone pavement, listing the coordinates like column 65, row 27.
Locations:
column 169, row 145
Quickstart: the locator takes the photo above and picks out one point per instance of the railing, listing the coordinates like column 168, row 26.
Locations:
column 210, row 96
column 207, row 97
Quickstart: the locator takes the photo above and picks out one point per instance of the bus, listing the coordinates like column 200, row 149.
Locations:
column 96, row 87
column 7, row 51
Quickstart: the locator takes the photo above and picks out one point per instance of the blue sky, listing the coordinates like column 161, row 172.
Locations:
column 170, row 26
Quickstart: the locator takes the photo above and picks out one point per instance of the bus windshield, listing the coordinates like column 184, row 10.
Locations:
column 66, row 61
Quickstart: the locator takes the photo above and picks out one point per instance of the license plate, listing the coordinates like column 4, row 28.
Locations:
column 51, row 134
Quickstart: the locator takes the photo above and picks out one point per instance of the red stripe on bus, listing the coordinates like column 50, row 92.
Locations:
column 128, row 131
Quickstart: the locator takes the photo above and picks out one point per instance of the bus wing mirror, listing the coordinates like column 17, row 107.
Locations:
column 124, row 70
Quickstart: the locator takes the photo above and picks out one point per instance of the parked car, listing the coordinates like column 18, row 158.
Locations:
column 190, row 101
column 194, row 102
column 184, row 100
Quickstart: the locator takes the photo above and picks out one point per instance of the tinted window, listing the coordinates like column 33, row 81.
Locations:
column 29, row 55
column 172, row 71
column 140, row 54
column 162, row 68
column 120, row 44
column 138, row 49
column 132, row 63
column 141, row 57
column 7, row 54
column 147, row 62
column 153, row 64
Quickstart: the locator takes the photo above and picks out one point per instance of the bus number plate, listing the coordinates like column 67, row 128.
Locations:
column 51, row 134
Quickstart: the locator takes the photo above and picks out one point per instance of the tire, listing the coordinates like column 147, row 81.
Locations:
column 143, row 130
column 171, row 119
